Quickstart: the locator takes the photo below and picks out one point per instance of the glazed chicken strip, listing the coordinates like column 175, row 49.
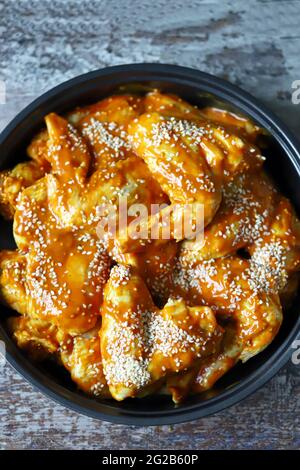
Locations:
column 104, row 125
column 37, row 150
column 70, row 159
column 155, row 266
column 12, row 280
column 245, row 214
column 67, row 152
column 37, row 337
column 66, row 281
column 276, row 253
column 141, row 344
column 12, row 183
column 183, row 174
column 227, row 154
column 203, row 377
column 170, row 105
column 65, row 270
column 234, row 122
column 173, row 106
column 23, row 175
column 81, row 355
column 231, row 288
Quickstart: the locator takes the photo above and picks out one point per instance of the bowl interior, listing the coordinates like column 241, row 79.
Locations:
column 280, row 163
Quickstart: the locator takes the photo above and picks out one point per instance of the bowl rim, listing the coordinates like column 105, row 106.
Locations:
column 256, row 379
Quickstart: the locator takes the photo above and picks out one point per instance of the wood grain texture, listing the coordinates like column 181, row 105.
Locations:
column 254, row 44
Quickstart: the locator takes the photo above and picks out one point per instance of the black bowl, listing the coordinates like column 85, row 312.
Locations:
column 283, row 160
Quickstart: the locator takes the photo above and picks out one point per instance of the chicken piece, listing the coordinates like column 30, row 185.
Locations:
column 32, row 216
column 23, row 175
column 70, row 160
column 38, row 148
column 179, row 171
column 276, row 254
column 170, row 105
column 141, row 344
column 67, row 152
column 35, row 336
column 33, row 221
column 231, row 288
column 82, row 357
column 65, row 275
column 39, row 213
column 208, row 370
column 155, row 266
column 234, row 122
column 215, row 366
column 12, row 280
column 182, row 172
column 104, row 126
column 225, row 151
column 66, row 270
column 245, row 213
column 12, row 183
column 119, row 109
column 66, row 278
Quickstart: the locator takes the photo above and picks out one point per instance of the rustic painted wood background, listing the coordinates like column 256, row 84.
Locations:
column 255, row 44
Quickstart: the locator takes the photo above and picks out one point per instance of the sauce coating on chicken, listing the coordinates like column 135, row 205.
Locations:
column 130, row 314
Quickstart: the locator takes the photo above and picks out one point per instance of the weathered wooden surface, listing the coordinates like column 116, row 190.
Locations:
column 256, row 45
